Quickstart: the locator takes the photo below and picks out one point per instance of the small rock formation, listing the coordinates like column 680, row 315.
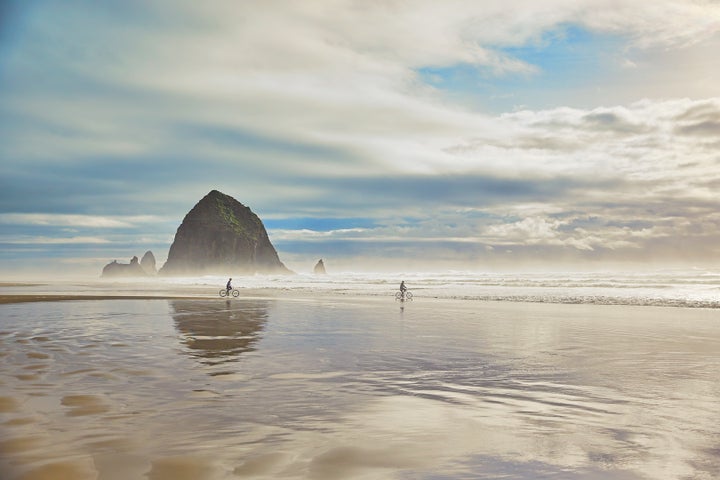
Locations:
column 148, row 263
column 115, row 269
column 319, row 268
column 221, row 236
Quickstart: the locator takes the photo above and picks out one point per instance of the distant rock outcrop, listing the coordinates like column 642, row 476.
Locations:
column 319, row 268
column 115, row 269
column 148, row 263
column 221, row 235
column 143, row 268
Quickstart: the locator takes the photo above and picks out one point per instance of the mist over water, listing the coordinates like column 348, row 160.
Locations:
column 685, row 288
column 672, row 287
column 351, row 387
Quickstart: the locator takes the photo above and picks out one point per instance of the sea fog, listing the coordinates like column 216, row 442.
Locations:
column 682, row 288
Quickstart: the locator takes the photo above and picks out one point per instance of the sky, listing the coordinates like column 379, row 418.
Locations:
column 408, row 134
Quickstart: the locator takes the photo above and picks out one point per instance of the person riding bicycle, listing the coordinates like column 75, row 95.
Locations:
column 228, row 287
column 403, row 288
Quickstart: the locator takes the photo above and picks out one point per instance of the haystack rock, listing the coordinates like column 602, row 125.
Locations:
column 221, row 236
column 148, row 263
column 319, row 268
column 115, row 269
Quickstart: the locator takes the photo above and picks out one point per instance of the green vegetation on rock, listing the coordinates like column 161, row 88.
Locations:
column 221, row 235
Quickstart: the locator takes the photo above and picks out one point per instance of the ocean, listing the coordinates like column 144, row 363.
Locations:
column 681, row 288
column 480, row 376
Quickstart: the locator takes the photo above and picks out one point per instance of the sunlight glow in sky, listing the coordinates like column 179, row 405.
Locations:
column 463, row 134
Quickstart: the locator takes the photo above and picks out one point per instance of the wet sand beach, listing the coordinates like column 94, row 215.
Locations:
column 346, row 387
column 65, row 297
column 25, row 292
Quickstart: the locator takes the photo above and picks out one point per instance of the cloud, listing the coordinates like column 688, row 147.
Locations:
column 123, row 115
column 54, row 240
column 44, row 219
column 607, row 179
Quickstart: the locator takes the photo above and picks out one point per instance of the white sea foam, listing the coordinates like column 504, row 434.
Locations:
column 688, row 288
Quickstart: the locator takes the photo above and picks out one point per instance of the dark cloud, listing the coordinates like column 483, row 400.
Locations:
column 458, row 190
column 700, row 119
column 709, row 128
column 14, row 15
column 245, row 140
column 107, row 187
column 545, row 141
column 607, row 224
column 610, row 121
column 699, row 112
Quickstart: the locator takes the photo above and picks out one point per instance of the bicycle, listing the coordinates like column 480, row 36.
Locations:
column 224, row 293
column 402, row 296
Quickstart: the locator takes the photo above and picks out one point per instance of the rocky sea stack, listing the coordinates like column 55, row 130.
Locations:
column 148, row 263
column 221, row 236
column 132, row 269
column 319, row 268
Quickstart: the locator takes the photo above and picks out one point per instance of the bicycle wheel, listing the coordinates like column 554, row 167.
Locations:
column 408, row 296
column 223, row 293
column 235, row 293
column 398, row 296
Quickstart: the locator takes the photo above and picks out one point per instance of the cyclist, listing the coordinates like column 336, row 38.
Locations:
column 403, row 288
column 228, row 287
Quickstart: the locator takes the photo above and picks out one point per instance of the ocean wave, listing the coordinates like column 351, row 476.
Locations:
column 689, row 289
column 597, row 300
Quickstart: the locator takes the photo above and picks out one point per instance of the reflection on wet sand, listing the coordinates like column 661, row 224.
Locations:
column 347, row 390
column 215, row 332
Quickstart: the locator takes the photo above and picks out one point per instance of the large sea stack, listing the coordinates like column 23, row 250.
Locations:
column 221, row 236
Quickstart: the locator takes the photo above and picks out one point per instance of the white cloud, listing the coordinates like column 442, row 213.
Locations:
column 63, row 220
column 27, row 240
column 528, row 230
column 306, row 235
column 664, row 22
column 645, row 140
column 333, row 72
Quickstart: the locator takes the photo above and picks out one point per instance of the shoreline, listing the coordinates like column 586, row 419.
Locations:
column 10, row 299
column 94, row 389
column 245, row 294
column 619, row 293
column 265, row 294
